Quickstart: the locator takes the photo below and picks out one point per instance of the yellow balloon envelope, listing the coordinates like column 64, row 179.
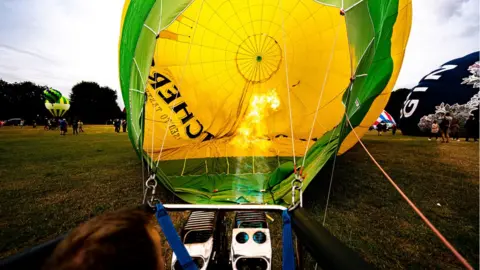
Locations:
column 227, row 99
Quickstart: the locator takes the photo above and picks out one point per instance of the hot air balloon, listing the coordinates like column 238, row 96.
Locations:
column 59, row 107
column 234, row 103
column 386, row 118
column 228, row 100
column 453, row 88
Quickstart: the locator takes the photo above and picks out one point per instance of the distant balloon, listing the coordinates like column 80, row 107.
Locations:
column 386, row 118
column 58, row 108
column 453, row 88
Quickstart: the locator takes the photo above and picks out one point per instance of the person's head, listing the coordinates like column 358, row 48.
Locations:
column 126, row 239
column 434, row 121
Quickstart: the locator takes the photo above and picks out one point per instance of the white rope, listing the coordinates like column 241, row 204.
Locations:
column 345, row 114
column 137, row 91
column 330, row 185
column 143, row 122
column 184, row 164
column 335, row 159
column 180, row 82
column 149, row 28
column 288, row 87
column 352, row 6
column 325, row 78
column 154, row 113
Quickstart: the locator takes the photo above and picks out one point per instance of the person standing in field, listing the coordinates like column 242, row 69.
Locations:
column 80, row 125
column 455, row 129
column 472, row 128
column 75, row 127
column 22, row 122
column 61, row 123
column 66, row 126
column 381, row 127
column 434, row 130
column 444, row 127
column 124, row 125
column 394, row 129
column 116, row 123
column 63, row 126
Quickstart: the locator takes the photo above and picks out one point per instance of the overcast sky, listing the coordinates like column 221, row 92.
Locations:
column 61, row 42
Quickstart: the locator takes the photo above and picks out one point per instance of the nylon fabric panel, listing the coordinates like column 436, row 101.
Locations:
column 399, row 39
column 140, row 20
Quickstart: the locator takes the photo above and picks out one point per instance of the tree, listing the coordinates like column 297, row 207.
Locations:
column 23, row 100
column 93, row 104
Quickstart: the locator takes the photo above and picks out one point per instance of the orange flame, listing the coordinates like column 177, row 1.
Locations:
column 253, row 129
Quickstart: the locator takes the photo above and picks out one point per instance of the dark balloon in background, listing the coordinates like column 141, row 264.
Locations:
column 455, row 84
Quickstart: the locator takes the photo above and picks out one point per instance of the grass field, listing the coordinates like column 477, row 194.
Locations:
column 49, row 184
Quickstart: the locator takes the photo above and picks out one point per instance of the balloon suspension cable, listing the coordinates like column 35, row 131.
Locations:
column 412, row 205
column 284, row 37
column 145, row 99
column 325, row 79
column 349, row 89
column 330, row 184
column 153, row 117
column 179, row 83
column 143, row 138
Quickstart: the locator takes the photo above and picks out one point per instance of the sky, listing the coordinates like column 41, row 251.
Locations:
column 62, row 42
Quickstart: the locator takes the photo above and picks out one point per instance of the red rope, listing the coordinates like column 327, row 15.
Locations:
column 415, row 208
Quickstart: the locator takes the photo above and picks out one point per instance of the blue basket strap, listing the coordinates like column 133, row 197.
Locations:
column 288, row 260
column 173, row 239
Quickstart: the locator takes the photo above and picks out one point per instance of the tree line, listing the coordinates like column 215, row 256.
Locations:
column 89, row 102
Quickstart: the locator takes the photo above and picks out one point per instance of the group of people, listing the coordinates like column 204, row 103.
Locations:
column 51, row 124
column 117, row 123
column 450, row 127
column 382, row 127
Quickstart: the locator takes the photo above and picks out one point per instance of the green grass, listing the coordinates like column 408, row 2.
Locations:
column 49, row 184
column 366, row 212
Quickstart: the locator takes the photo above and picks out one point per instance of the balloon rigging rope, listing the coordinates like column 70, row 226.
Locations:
column 142, row 112
column 349, row 89
column 153, row 120
column 330, row 184
column 412, row 205
column 325, row 78
column 288, row 87
column 180, row 82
